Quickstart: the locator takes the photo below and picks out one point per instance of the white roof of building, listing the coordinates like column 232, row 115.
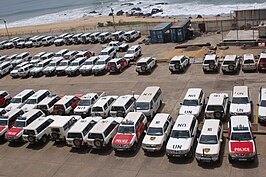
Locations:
column 210, row 127
column 159, row 120
column 60, row 121
column 183, row 122
column 193, row 93
column 82, row 123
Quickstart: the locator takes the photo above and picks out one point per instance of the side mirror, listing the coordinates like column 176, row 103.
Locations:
column 198, row 139
column 227, row 138
column 257, row 104
column 192, row 136
column 229, row 102
column 254, row 137
column 200, row 104
column 251, row 101
column 145, row 131
column 208, row 97
column 181, row 103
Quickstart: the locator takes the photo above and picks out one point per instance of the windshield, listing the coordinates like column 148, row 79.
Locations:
column 180, row 134
column 208, row 139
column 16, row 100
column 130, row 51
column 58, row 55
column 20, row 124
column 63, row 64
column 142, row 106
column 84, row 103
column 241, row 136
column 3, row 122
column 214, row 108
column 249, row 61
column 36, row 57
column 190, row 102
column 263, row 103
column 74, row 135
column 74, row 64
column 117, row 108
column 229, row 62
column 100, row 62
column 175, row 62
column 154, row 131
column 52, row 64
column 88, row 63
column 97, row 109
column 95, row 136
column 31, row 101
column 209, row 62
column 126, row 129
column 29, row 132
column 240, row 100
column 104, row 53
column 39, row 65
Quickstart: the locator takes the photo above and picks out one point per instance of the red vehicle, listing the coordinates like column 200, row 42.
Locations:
column 262, row 62
column 4, row 98
column 241, row 140
column 117, row 65
column 15, row 133
column 66, row 105
column 129, row 132
column 8, row 119
column 86, row 54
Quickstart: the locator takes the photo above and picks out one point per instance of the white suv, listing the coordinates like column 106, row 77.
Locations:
column 86, row 68
column 86, row 102
column 231, row 64
column 37, row 131
column 178, row 63
column 101, row 135
column 249, row 63
column 38, row 69
column 50, row 70
column 182, row 137
column 241, row 103
column 101, row 65
column 157, row 134
column 210, row 141
column 60, row 126
column 210, row 63
column 60, row 69
column 73, row 68
column 262, row 105
column 145, row 65
column 217, row 106
column 78, row 134
column 193, row 102
column 103, row 106
column 133, row 53
column 123, row 105
column 131, row 36
column 5, row 68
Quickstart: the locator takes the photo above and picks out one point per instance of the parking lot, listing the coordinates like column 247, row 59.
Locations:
column 59, row 160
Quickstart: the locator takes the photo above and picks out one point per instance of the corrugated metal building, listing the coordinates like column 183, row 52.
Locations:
column 160, row 33
column 180, row 31
column 252, row 14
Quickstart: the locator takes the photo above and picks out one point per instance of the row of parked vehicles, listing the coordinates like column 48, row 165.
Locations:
column 70, row 38
column 230, row 64
column 121, row 122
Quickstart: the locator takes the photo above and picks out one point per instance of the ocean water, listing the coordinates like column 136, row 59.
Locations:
column 33, row 12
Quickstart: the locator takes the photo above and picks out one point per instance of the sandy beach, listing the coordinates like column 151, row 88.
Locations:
column 86, row 24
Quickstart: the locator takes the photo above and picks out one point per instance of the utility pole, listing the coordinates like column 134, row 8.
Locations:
column 5, row 27
column 112, row 10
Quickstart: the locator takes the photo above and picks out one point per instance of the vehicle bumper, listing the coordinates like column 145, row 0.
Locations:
column 207, row 159
column 247, row 157
column 60, row 72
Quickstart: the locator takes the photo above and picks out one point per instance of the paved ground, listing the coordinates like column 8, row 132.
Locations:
column 60, row 160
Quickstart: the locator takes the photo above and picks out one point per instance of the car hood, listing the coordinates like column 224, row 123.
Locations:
column 240, row 108
column 72, row 68
column 262, row 111
column 28, row 107
column 12, row 106
column 36, row 70
column 207, row 149
column 194, row 110
column 179, row 143
column 14, row 132
column 123, row 138
column 152, row 139
column 238, row 147
column 86, row 67
column 61, row 67
column 58, row 40
column 81, row 108
column 98, row 67
column 49, row 68
column 129, row 55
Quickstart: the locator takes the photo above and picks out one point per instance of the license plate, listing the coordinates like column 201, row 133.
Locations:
column 242, row 159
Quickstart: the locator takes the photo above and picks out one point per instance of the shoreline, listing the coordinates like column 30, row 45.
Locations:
column 89, row 24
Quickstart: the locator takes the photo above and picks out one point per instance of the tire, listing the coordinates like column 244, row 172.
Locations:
column 98, row 143
column 218, row 115
column 44, row 139
column 143, row 68
column 31, row 139
column 231, row 67
column 230, row 159
column 7, row 102
column 177, row 66
column 77, row 142
column 135, row 147
column 55, row 135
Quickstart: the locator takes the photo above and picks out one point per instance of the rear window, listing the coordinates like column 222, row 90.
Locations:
column 175, row 62
column 42, row 107
column 229, row 62
column 262, row 59
column 74, row 135
column 208, row 61
column 249, row 61
column 95, row 136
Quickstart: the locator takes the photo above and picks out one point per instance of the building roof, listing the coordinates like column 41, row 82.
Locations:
column 180, row 24
column 162, row 26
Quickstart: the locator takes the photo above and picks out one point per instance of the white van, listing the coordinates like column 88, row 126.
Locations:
column 123, row 105
column 103, row 106
column 60, row 126
column 49, row 40
column 33, row 100
column 149, row 101
column 18, row 100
